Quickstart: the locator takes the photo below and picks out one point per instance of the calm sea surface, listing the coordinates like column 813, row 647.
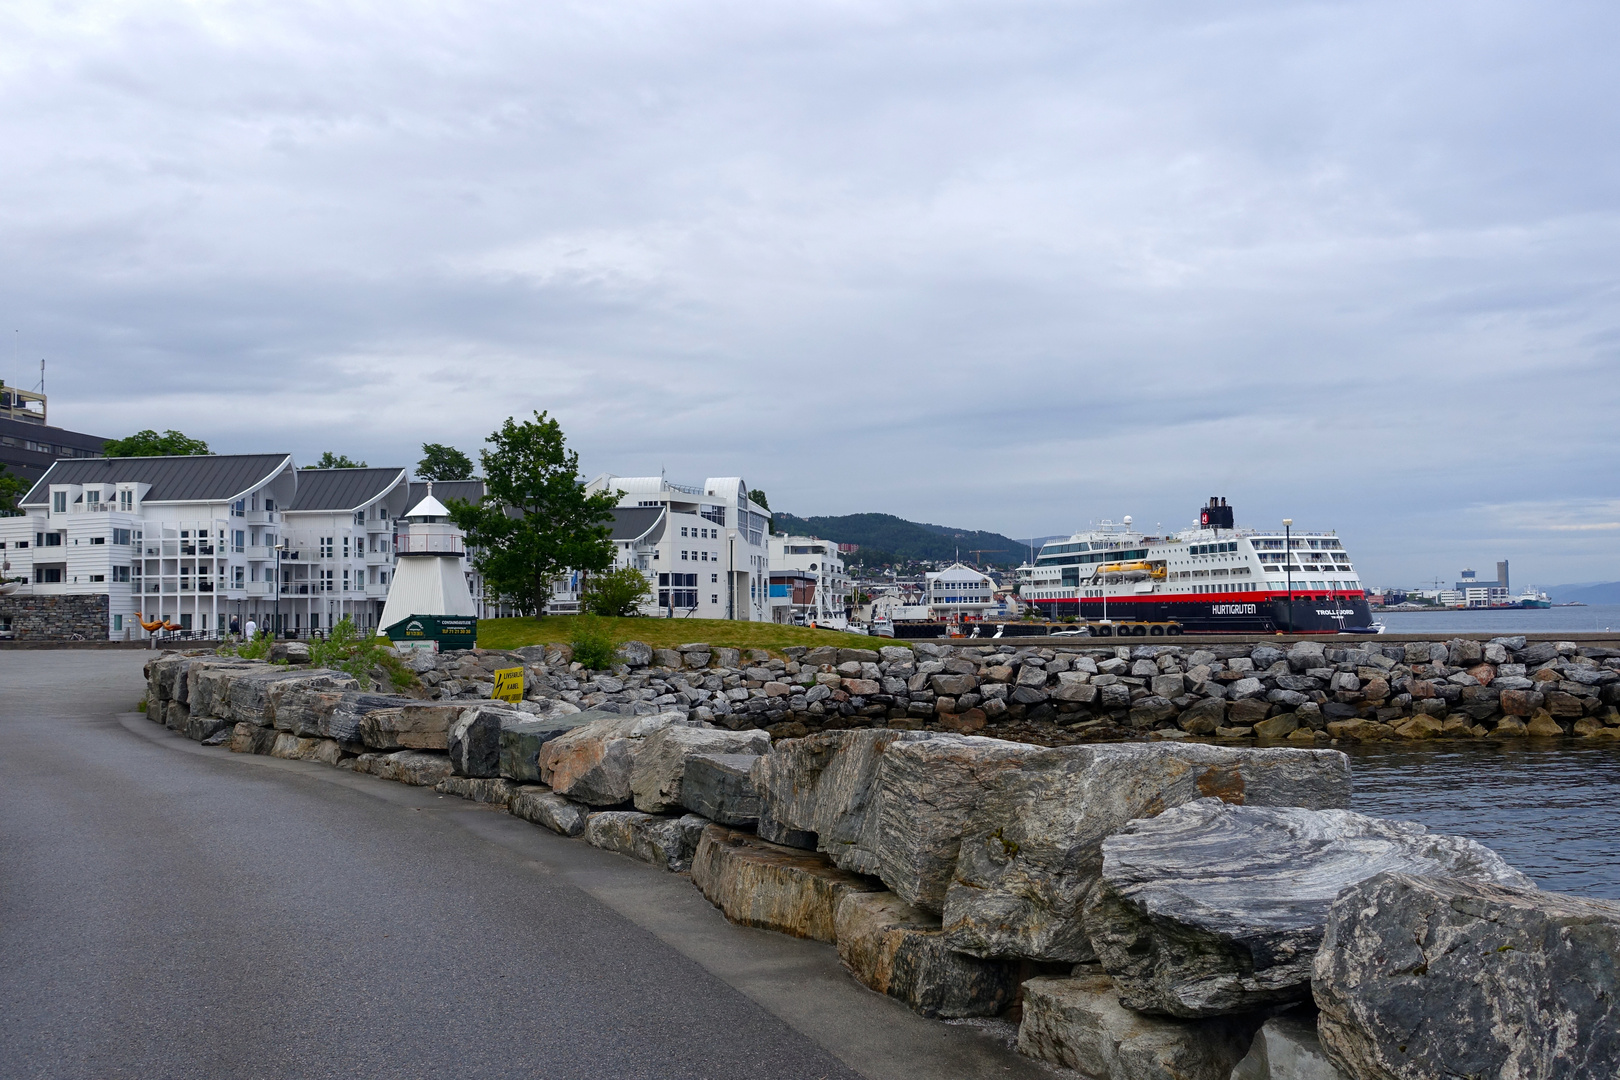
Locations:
column 1550, row 810
column 1506, row 621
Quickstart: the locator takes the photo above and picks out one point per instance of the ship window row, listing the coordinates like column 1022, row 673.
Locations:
column 1212, row 549
column 1094, row 557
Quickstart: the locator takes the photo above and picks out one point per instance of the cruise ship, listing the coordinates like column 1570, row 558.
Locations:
column 1214, row 578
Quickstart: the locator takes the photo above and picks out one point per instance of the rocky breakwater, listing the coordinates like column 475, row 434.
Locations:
column 1311, row 692
column 1153, row 910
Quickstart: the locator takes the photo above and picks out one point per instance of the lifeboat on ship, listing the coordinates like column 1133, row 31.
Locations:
column 1134, row 571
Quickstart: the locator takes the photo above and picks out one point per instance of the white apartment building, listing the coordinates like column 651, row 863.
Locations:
column 197, row 542
column 337, row 549
column 808, row 581
column 703, row 549
column 189, row 540
column 957, row 592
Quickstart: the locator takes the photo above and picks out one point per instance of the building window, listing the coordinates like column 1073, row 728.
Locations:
column 47, row 575
column 120, row 573
column 345, row 581
column 714, row 579
column 126, row 500
column 326, row 547
column 59, row 502
column 345, row 547
column 683, row 530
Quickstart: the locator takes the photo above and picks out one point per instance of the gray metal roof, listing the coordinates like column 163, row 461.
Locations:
column 342, row 489
column 445, row 490
column 206, row 478
column 635, row 522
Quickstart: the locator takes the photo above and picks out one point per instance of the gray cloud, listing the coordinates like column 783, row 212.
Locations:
column 1015, row 265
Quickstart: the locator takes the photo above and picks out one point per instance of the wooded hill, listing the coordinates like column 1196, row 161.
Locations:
column 886, row 539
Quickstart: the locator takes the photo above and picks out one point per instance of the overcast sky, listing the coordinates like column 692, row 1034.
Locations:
column 1014, row 266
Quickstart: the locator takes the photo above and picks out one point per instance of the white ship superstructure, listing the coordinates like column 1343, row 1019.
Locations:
column 1210, row 578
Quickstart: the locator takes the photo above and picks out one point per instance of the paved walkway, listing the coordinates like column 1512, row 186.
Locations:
column 169, row 910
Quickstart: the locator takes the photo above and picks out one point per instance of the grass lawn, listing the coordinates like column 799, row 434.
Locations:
column 668, row 633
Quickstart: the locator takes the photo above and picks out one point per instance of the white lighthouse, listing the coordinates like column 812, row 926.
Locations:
column 429, row 582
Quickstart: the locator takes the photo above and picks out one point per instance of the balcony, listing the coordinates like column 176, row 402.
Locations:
column 259, row 552
column 257, row 588
column 379, row 558
column 376, row 592
column 261, row 517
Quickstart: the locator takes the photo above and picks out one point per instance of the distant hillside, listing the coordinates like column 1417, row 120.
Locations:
column 885, row 538
column 1605, row 593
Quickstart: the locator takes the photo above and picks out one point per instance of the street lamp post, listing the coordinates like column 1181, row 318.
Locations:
column 1288, row 567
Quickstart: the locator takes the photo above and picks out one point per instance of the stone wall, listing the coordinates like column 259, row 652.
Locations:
column 56, row 618
column 1143, row 909
column 1310, row 692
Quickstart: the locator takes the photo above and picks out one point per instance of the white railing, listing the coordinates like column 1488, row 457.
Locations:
column 429, row 545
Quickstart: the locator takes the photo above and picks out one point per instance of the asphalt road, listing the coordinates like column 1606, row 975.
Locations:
column 169, row 910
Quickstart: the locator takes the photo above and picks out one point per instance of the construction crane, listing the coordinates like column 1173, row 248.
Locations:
column 976, row 552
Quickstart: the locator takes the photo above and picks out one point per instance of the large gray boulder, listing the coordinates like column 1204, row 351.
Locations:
column 927, row 792
column 544, row 807
column 772, row 887
column 825, row 784
column 721, row 788
column 592, row 763
column 342, row 722
column 656, row 775
column 898, row 950
column 422, row 726
column 663, row 841
column 405, row 767
column 1031, row 854
column 474, row 740
column 522, row 738
column 1077, row 1022
column 1286, row 1048
column 1210, row 908
column 1430, row 976
column 209, row 684
column 284, row 697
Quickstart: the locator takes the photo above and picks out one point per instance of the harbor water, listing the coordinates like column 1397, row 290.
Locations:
column 1547, row 806
column 1503, row 621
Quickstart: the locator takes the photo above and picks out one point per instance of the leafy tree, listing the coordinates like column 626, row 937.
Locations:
column 770, row 520
column 12, row 488
column 617, row 593
column 330, row 460
column 535, row 520
column 149, row 443
column 441, row 462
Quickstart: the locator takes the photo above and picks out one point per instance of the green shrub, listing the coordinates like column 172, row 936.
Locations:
column 617, row 593
column 346, row 648
column 257, row 649
column 593, row 643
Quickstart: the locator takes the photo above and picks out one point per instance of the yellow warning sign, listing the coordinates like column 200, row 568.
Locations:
column 508, row 685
